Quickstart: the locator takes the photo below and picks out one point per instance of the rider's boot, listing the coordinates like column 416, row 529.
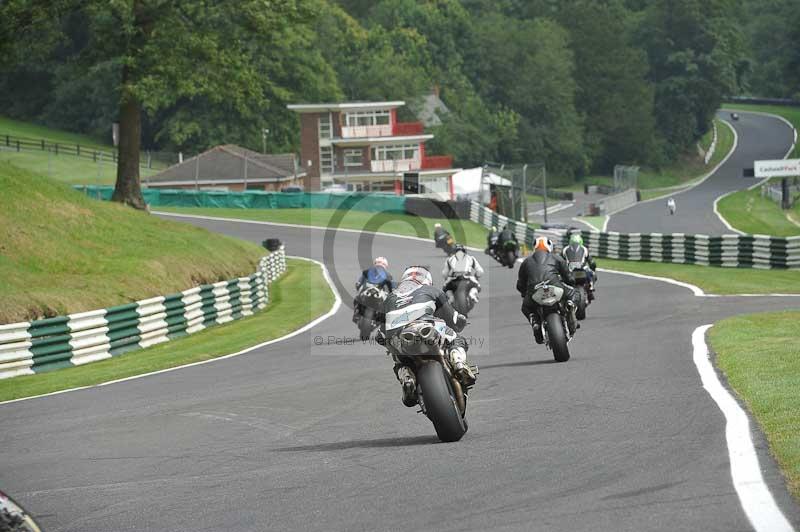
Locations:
column 409, row 383
column 464, row 373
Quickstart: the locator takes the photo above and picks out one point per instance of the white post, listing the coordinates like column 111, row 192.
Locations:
column 197, row 172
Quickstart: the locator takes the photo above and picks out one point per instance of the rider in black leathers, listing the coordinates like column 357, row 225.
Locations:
column 506, row 235
column 544, row 265
column 415, row 298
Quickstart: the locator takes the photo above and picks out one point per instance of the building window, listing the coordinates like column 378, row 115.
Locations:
column 395, row 152
column 326, row 160
column 353, row 158
column 325, row 131
column 368, row 118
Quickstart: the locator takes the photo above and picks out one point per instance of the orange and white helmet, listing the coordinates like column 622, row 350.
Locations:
column 382, row 262
column 543, row 244
column 418, row 274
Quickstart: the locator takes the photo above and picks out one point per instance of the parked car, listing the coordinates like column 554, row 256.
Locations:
column 292, row 189
column 336, row 189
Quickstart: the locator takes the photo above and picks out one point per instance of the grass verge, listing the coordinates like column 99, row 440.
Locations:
column 9, row 126
column 61, row 252
column 386, row 222
column 747, row 211
column 595, row 221
column 760, row 356
column 714, row 280
column 688, row 167
column 298, row 297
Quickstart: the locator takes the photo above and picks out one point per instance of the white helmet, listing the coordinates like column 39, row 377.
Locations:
column 382, row 262
column 418, row 274
column 543, row 244
column 437, row 225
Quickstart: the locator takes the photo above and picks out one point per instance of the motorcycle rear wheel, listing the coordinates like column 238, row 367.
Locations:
column 365, row 324
column 557, row 337
column 461, row 299
column 441, row 406
column 580, row 311
column 510, row 259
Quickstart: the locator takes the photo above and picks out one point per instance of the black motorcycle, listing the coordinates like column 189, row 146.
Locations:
column 508, row 253
column 551, row 314
column 578, row 269
column 458, row 292
column 441, row 397
column 446, row 243
column 370, row 300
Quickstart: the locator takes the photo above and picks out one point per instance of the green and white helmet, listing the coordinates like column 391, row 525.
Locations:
column 576, row 239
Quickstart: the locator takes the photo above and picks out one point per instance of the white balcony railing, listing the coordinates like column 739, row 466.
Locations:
column 395, row 165
column 356, row 132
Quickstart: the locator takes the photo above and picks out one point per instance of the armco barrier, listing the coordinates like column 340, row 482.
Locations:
column 65, row 341
column 735, row 251
column 256, row 199
column 488, row 218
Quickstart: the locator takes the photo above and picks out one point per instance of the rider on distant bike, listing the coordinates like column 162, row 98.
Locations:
column 544, row 265
column 377, row 274
column 462, row 264
column 577, row 252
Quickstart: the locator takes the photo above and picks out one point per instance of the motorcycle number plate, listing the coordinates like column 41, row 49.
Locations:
column 574, row 265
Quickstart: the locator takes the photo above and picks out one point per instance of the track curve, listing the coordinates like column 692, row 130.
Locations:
column 759, row 137
column 302, row 437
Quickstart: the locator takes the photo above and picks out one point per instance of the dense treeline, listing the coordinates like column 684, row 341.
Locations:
column 581, row 84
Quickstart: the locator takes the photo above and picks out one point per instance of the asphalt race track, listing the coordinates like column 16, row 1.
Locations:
column 760, row 137
column 295, row 436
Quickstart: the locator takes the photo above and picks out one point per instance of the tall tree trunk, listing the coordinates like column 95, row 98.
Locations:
column 128, row 189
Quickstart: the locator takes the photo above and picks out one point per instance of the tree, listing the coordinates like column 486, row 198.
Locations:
column 613, row 93
column 167, row 52
column 693, row 49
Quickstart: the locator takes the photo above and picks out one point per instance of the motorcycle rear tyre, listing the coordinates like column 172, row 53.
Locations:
column 365, row 324
column 440, row 405
column 461, row 299
column 557, row 337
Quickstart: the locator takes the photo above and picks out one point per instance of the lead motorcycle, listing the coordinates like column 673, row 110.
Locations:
column 441, row 396
column 552, row 315
column 370, row 299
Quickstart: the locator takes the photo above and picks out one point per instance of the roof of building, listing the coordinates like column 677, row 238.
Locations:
column 343, row 106
column 227, row 163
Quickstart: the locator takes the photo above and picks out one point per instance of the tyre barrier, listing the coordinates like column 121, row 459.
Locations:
column 65, row 341
column 729, row 251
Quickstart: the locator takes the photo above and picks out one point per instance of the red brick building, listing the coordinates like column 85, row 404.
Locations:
column 362, row 145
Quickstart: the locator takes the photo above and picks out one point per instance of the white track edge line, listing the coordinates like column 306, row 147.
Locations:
column 335, row 308
column 696, row 290
column 592, row 228
column 754, row 495
column 761, row 181
column 701, row 181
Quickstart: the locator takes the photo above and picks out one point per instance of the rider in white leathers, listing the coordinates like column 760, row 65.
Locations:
column 461, row 263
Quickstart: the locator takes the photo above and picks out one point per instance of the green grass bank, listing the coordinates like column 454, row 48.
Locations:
column 760, row 356
column 299, row 296
column 747, row 211
column 61, row 252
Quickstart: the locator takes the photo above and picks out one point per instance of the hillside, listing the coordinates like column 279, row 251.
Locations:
column 61, row 252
